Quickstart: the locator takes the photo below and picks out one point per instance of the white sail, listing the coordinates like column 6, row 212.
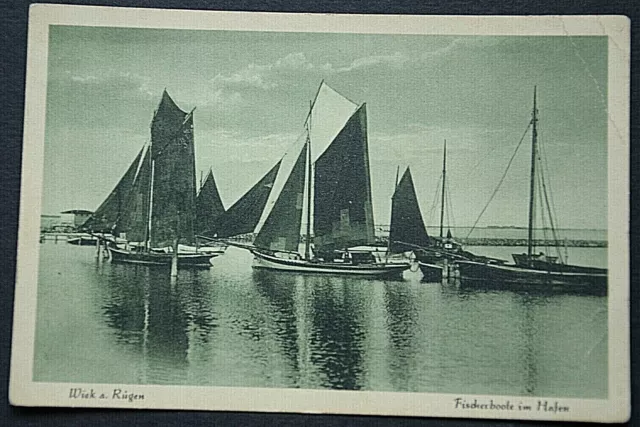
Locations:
column 329, row 114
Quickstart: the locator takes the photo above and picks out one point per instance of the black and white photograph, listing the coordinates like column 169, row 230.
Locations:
column 383, row 215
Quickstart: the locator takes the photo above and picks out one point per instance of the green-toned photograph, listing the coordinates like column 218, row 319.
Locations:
column 326, row 211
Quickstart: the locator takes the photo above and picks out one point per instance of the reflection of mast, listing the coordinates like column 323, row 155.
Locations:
column 529, row 357
column 337, row 352
column 145, row 332
column 303, row 336
column 282, row 307
column 400, row 324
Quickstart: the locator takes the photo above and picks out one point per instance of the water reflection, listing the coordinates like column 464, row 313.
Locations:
column 278, row 291
column 234, row 326
column 529, row 357
column 162, row 322
column 401, row 320
column 336, row 331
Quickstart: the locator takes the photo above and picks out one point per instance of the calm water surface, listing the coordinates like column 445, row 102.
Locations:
column 234, row 326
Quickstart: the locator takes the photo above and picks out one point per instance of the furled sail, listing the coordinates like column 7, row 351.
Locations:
column 243, row 216
column 281, row 230
column 407, row 227
column 105, row 217
column 208, row 205
column 343, row 214
column 133, row 223
column 174, row 175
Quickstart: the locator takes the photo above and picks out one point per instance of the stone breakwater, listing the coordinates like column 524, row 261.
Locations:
column 494, row 241
column 501, row 241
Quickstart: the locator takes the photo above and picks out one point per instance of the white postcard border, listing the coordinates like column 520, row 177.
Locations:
column 25, row 392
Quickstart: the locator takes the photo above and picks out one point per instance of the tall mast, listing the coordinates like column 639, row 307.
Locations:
column 444, row 178
column 532, row 187
column 393, row 195
column 307, row 123
column 307, row 240
column 150, row 207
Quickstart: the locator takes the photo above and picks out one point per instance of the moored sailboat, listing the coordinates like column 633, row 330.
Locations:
column 339, row 214
column 532, row 269
column 407, row 231
column 153, row 206
column 208, row 208
column 243, row 216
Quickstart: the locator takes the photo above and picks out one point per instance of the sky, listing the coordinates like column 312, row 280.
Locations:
column 252, row 90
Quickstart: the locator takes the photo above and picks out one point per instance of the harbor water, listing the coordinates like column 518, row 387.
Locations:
column 236, row 326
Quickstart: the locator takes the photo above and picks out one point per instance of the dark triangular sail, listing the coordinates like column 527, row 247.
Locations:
column 174, row 175
column 281, row 230
column 407, row 227
column 105, row 217
column 208, row 205
column 134, row 221
column 343, row 214
column 243, row 216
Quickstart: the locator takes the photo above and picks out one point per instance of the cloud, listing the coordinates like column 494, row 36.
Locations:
column 261, row 76
column 242, row 147
column 102, row 101
column 270, row 76
column 267, row 76
column 251, row 76
column 396, row 60
column 112, row 82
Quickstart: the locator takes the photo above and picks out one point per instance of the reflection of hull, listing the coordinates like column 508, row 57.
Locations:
column 431, row 272
column 150, row 258
column 271, row 262
column 568, row 277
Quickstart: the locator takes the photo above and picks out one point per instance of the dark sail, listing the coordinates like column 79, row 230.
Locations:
column 105, row 217
column 343, row 215
column 281, row 230
column 134, row 221
column 407, row 227
column 208, row 205
column 243, row 216
column 174, row 175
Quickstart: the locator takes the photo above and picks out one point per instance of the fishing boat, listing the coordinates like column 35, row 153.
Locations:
column 208, row 208
column 407, row 232
column 434, row 256
column 338, row 191
column 243, row 216
column 533, row 269
column 82, row 239
column 153, row 206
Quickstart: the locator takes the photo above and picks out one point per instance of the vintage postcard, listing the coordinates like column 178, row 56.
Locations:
column 386, row 215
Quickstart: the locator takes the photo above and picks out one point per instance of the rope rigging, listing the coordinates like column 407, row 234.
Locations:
column 434, row 203
column 504, row 174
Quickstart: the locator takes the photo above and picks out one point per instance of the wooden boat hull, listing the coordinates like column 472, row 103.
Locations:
column 164, row 259
column 82, row 240
column 191, row 250
column 266, row 261
column 431, row 272
column 582, row 279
